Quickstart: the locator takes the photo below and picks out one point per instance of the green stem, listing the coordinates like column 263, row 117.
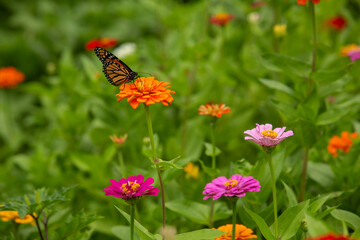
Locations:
column 276, row 21
column 234, row 218
column 273, row 181
column 122, row 165
column 303, row 174
column 213, row 166
column 312, row 12
column 154, row 160
column 213, row 163
column 132, row 221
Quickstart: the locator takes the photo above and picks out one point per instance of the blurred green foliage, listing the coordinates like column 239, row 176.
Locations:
column 55, row 127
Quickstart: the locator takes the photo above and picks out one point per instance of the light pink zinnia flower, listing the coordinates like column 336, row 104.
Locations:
column 265, row 136
column 131, row 187
column 236, row 186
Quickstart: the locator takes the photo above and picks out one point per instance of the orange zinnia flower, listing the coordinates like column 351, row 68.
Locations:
column 10, row 77
column 344, row 143
column 215, row 110
column 349, row 48
column 241, row 232
column 192, row 171
column 146, row 90
column 119, row 141
column 13, row 215
column 221, row 19
column 102, row 42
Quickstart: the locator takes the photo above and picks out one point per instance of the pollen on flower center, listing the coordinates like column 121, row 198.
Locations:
column 230, row 184
column 130, row 187
column 269, row 133
column 143, row 86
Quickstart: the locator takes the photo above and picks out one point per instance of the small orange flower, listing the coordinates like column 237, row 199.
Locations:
column 146, row 90
column 101, row 42
column 344, row 143
column 349, row 48
column 215, row 110
column 221, row 19
column 241, row 232
column 10, row 77
column 192, row 171
column 13, row 215
column 119, row 141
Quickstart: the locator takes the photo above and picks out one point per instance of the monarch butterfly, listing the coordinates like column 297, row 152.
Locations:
column 115, row 70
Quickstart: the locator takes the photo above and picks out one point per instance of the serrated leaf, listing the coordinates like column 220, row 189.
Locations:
column 202, row 234
column 277, row 85
column 209, row 151
column 260, row 222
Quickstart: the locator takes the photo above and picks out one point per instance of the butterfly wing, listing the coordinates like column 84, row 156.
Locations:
column 115, row 70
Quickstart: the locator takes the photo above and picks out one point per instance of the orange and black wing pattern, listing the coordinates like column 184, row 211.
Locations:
column 115, row 70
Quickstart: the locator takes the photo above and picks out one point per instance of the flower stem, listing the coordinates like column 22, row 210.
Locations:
column 132, row 221
column 38, row 226
column 273, row 181
column 213, row 163
column 152, row 142
column 303, row 174
column 213, row 166
column 234, row 218
column 312, row 12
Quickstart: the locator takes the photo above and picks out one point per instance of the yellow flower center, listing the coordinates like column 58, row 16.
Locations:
column 269, row 133
column 130, row 187
column 231, row 183
column 143, row 86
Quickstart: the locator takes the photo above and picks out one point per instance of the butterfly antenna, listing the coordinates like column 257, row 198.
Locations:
column 145, row 73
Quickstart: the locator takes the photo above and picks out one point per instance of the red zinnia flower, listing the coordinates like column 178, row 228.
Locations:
column 102, row 42
column 10, row 77
column 303, row 2
column 337, row 23
column 331, row 236
column 221, row 19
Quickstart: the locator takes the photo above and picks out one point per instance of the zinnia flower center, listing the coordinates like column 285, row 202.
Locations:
column 230, row 184
column 269, row 133
column 130, row 187
column 143, row 86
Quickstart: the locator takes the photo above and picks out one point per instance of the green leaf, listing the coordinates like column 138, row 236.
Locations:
column 202, row 234
column 290, row 195
column 351, row 218
column 168, row 164
column 209, row 150
column 331, row 116
column 287, row 65
column 315, row 205
column 316, row 226
column 141, row 230
column 208, row 170
column 356, row 233
column 277, row 85
column 194, row 211
column 123, row 232
column 260, row 222
column 327, row 76
column 321, row 173
column 290, row 220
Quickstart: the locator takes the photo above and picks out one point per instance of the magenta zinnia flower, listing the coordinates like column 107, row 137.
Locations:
column 354, row 55
column 265, row 136
column 236, row 186
column 131, row 188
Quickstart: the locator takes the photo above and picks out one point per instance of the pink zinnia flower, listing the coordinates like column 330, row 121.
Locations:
column 236, row 186
column 131, row 188
column 354, row 55
column 265, row 136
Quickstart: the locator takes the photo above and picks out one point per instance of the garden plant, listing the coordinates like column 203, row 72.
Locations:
column 180, row 120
